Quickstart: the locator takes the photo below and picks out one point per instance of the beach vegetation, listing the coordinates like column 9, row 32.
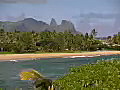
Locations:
column 103, row 75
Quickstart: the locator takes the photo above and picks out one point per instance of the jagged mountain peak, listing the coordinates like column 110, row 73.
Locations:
column 65, row 22
column 30, row 24
column 53, row 22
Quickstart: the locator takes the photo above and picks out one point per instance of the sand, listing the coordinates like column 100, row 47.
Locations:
column 6, row 57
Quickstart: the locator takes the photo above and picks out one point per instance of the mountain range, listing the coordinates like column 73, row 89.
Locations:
column 30, row 24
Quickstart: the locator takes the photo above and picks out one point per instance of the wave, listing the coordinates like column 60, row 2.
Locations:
column 13, row 60
column 81, row 56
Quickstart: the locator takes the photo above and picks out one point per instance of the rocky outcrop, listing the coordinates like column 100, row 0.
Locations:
column 30, row 24
column 66, row 26
column 53, row 22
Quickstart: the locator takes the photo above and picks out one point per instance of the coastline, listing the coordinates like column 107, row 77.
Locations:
column 10, row 57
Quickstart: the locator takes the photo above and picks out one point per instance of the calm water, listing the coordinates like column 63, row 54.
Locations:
column 52, row 68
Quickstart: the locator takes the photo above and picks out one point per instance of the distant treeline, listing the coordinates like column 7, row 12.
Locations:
column 114, row 41
column 48, row 41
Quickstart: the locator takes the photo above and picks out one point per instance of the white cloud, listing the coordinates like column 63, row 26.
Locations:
column 105, row 24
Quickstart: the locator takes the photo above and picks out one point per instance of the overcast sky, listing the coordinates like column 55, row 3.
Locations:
column 103, row 15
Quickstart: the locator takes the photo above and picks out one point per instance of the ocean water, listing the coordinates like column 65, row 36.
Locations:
column 51, row 68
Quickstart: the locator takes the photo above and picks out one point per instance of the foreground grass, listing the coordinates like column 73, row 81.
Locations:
column 104, row 75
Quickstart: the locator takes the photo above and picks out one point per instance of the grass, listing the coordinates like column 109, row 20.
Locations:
column 63, row 52
column 8, row 53
column 38, row 52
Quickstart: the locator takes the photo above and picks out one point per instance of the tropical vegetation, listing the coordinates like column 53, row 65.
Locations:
column 46, row 41
column 113, row 42
column 103, row 75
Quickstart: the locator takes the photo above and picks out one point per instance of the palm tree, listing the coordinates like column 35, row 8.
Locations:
column 40, row 82
column 93, row 33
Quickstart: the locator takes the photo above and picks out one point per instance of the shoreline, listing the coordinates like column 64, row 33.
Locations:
column 10, row 57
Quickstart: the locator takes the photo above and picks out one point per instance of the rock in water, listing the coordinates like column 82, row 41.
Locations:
column 30, row 74
column 40, row 82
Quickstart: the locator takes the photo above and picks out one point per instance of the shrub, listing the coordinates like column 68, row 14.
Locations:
column 104, row 75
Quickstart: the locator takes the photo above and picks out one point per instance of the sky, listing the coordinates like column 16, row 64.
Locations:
column 103, row 15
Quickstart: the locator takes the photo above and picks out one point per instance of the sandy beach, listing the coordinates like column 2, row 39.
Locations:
column 6, row 57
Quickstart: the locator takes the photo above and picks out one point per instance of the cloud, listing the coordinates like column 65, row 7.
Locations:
column 105, row 24
column 15, row 19
column 98, row 15
column 24, row 1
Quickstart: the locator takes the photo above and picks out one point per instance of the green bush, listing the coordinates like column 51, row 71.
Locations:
column 103, row 75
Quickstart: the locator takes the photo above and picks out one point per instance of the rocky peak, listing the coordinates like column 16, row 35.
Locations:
column 53, row 22
column 67, row 25
column 29, row 21
column 65, row 22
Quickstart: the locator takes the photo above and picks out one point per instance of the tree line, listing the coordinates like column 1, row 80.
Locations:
column 114, row 41
column 48, row 41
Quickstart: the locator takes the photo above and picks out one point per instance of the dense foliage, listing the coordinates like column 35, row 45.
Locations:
column 47, row 41
column 114, row 42
column 116, row 38
column 104, row 75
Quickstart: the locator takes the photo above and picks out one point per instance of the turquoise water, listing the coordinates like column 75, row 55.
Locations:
column 52, row 68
